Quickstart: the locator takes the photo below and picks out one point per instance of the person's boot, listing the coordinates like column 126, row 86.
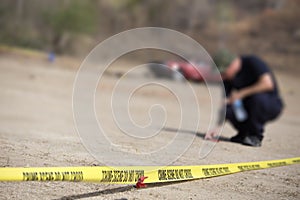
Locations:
column 239, row 138
column 252, row 140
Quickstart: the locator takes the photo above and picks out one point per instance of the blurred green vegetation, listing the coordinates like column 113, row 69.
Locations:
column 47, row 25
column 269, row 28
column 74, row 18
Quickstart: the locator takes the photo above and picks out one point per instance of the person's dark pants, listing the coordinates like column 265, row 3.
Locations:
column 261, row 108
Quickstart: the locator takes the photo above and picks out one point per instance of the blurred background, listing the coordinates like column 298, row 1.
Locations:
column 269, row 28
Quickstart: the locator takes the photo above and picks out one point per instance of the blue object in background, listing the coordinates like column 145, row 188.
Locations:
column 51, row 57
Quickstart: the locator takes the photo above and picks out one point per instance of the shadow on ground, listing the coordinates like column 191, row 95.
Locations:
column 118, row 190
column 198, row 134
column 99, row 193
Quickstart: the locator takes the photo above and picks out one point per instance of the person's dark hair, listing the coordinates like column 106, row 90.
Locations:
column 223, row 58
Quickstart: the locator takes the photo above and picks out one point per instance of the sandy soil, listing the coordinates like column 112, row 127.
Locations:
column 37, row 129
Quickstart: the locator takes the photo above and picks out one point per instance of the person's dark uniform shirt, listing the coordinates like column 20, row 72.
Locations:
column 251, row 70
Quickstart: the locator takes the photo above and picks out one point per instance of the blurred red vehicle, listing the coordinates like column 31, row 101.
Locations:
column 196, row 71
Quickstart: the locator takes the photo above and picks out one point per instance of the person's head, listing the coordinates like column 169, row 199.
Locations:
column 228, row 63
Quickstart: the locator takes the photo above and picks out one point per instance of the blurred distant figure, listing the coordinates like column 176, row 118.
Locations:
column 51, row 56
column 252, row 96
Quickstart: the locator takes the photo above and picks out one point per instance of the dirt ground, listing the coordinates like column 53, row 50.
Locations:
column 37, row 129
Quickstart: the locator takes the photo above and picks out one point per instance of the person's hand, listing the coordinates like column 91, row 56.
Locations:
column 235, row 95
column 212, row 134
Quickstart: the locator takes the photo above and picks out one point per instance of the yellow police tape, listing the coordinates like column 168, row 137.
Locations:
column 131, row 174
